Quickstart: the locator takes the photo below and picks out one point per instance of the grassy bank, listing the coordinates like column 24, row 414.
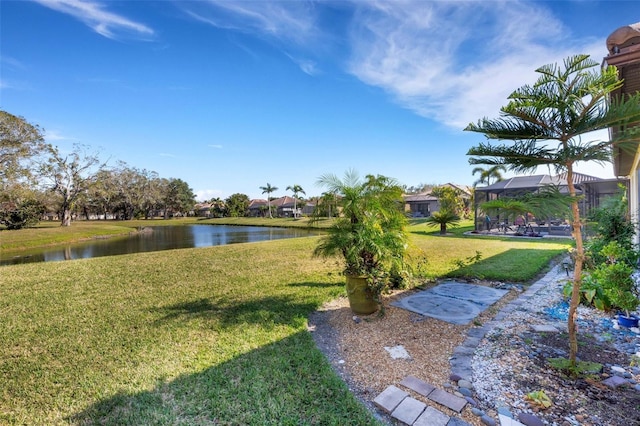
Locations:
column 197, row 336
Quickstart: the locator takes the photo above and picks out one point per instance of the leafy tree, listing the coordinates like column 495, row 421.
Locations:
column 103, row 194
column 70, row 176
column 450, row 199
column 268, row 190
column 326, row 205
column 612, row 224
column 296, row 189
column 20, row 208
column 562, row 106
column 237, row 205
column 178, row 197
column 217, row 207
column 494, row 172
column 20, row 143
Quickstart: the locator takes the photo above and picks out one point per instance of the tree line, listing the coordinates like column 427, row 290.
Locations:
column 37, row 179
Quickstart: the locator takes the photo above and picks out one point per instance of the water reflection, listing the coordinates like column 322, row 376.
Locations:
column 160, row 238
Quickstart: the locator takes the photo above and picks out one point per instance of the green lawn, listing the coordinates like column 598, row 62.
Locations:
column 197, row 336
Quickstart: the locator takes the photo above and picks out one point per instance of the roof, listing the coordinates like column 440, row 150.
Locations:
column 537, row 181
column 523, row 182
column 426, row 196
column 257, row 203
column 623, row 37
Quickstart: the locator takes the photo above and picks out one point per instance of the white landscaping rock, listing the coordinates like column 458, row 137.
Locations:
column 398, row 352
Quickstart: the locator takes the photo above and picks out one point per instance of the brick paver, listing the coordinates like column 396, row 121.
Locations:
column 417, row 385
column 408, row 410
column 432, row 417
column 390, row 398
column 448, row 400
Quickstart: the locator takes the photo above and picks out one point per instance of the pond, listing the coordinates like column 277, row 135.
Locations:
column 159, row 238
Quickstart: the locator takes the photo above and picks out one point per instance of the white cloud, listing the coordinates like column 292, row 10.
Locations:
column 307, row 66
column 164, row 154
column 95, row 16
column 456, row 62
column 207, row 194
column 292, row 21
column 54, row 135
column 215, row 146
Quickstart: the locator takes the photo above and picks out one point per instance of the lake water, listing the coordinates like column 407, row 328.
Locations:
column 159, row 238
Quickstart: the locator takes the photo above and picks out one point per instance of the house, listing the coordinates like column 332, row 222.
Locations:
column 281, row 207
column 624, row 53
column 258, row 208
column 593, row 190
column 425, row 204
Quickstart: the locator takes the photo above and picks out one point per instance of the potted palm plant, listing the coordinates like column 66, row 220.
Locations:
column 369, row 234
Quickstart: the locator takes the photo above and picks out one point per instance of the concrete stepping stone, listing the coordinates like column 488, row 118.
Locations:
column 448, row 400
column 454, row 302
column 432, row 417
column 417, row 385
column 409, row 410
column 390, row 398
column 508, row 421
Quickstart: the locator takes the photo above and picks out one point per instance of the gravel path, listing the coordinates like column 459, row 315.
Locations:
column 507, row 364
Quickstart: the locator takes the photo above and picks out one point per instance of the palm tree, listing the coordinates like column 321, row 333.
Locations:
column 370, row 234
column 487, row 174
column 564, row 105
column 296, row 189
column 268, row 190
column 443, row 218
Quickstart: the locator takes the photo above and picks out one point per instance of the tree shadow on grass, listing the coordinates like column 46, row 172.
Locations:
column 316, row 285
column 266, row 311
column 288, row 382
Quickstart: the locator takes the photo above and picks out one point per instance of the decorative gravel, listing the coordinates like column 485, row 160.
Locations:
column 509, row 362
column 355, row 346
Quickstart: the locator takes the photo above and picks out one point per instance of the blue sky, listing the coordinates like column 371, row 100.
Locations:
column 232, row 95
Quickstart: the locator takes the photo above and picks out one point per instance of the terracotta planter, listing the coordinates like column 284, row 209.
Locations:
column 361, row 299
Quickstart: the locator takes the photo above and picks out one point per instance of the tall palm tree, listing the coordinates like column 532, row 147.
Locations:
column 268, row 190
column 548, row 124
column 296, row 189
column 487, row 174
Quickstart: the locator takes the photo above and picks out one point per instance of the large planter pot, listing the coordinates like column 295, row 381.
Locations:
column 627, row 321
column 361, row 299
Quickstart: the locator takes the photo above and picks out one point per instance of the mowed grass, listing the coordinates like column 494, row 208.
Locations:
column 501, row 258
column 197, row 336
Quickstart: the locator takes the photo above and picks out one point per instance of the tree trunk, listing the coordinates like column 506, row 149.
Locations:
column 443, row 229
column 66, row 217
column 577, row 272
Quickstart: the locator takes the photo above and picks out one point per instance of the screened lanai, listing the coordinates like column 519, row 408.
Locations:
column 593, row 191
